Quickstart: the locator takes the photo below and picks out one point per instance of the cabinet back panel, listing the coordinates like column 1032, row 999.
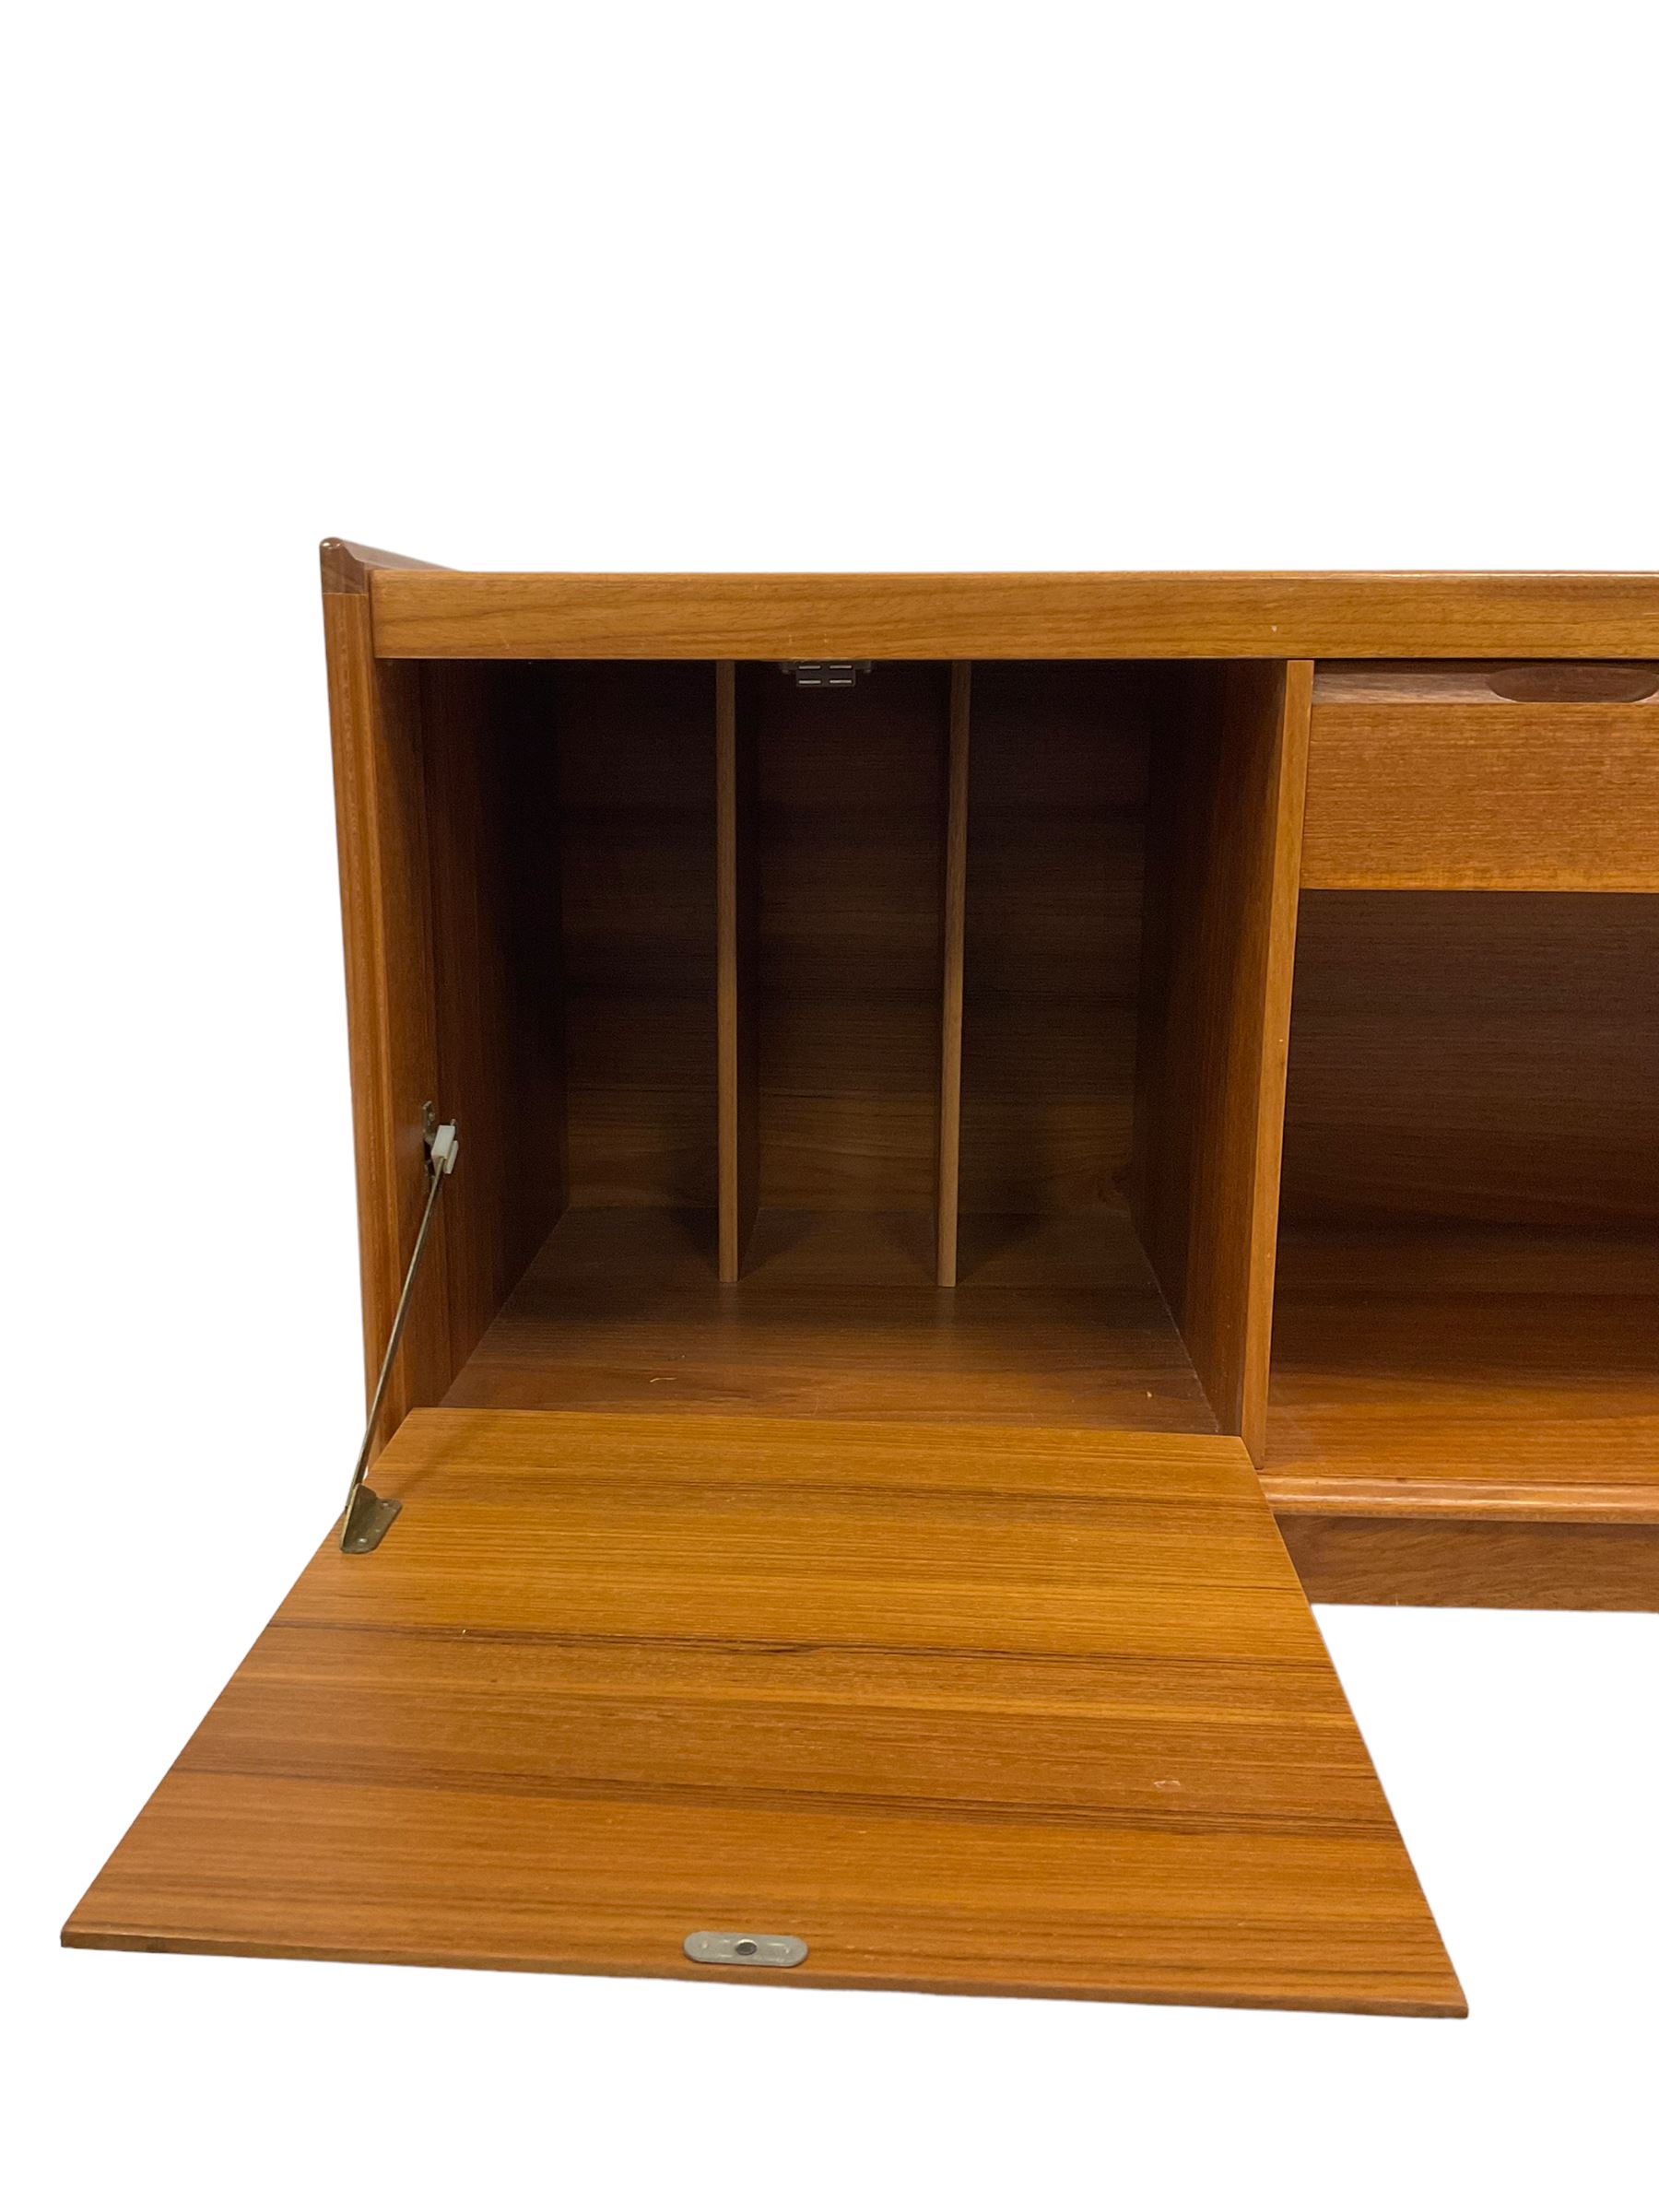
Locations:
column 851, row 825
column 1055, row 858
column 636, row 863
column 1483, row 1056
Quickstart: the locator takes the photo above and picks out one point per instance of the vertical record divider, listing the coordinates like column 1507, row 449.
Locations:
column 737, row 939
column 949, row 1154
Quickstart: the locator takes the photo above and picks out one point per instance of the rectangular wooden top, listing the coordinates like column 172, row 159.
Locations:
column 432, row 613
column 1012, row 1710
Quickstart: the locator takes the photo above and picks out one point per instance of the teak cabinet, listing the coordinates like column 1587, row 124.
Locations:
column 1002, row 1121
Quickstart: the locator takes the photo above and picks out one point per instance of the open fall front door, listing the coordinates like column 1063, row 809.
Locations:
column 994, row 1710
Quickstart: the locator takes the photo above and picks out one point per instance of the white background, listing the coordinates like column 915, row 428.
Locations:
column 636, row 286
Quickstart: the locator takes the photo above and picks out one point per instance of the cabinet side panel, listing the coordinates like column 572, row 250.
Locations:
column 492, row 828
column 1229, row 772
column 381, row 816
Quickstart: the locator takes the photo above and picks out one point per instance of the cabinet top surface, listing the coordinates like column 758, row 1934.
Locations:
column 420, row 611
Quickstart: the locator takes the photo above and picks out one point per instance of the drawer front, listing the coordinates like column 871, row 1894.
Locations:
column 1457, row 777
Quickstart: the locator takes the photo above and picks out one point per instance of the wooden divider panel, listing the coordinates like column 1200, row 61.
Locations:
column 948, row 1200
column 1229, row 770
column 737, row 927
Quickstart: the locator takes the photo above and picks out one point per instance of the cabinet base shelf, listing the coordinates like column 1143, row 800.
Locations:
column 1057, row 1320
column 1468, row 1415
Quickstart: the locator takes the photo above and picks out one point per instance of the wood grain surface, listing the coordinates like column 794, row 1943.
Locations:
column 1401, row 1559
column 1173, row 616
column 346, row 567
column 1052, row 958
column 1480, row 683
column 852, row 804
column 1493, row 1057
column 1468, row 1373
column 1223, row 860
column 637, row 854
column 381, row 823
column 1424, row 782
column 490, row 765
column 450, row 900
column 1017, row 1712
column 1056, row 1319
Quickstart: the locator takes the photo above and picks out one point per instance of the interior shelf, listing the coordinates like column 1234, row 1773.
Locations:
column 1057, row 1319
column 1466, row 1318
column 1445, row 1369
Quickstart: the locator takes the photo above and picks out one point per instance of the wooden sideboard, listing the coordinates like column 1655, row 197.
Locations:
column 990, row 1107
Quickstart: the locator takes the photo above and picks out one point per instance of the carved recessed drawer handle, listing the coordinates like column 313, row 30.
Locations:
column 1563, row 683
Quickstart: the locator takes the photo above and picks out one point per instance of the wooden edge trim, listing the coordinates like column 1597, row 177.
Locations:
column 949, row 1175
column 1170, row 614
column 1358, row 1559
column 347, row 566
column 352, row 710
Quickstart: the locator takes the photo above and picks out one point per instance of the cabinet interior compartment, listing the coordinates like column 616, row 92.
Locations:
column 1467, row 1309
column 830, row 1051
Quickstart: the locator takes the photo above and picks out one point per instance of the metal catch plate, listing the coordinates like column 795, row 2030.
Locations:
column 712, row 1949
column 825, row 676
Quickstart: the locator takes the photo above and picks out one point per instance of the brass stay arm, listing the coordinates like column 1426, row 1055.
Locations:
column 366, row 1518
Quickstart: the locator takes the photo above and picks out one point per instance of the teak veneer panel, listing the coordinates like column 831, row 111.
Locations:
column 1422, row 784
column 1489, row 1055
column 637, row 854
column 435, row 613
column 1051, row 947
column 493, row 877
column 1484, row 683
column 1466, row 1372
column 850, row 813
column 1016, row 1713
column 381, row 822
column 1225, row 844
column 1056, row 1319
column 1400, row 1560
